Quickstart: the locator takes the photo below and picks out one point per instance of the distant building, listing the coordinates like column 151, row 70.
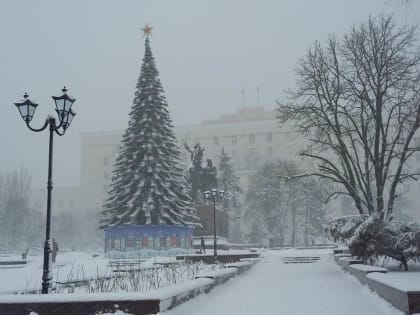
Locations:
column 64, row 199
column 252, row 137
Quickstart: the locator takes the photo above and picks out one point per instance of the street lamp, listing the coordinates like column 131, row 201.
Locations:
column 65, row 114
column 214, row 195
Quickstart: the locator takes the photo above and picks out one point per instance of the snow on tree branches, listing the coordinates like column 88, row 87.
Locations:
column 370, row 237
column 148, row 186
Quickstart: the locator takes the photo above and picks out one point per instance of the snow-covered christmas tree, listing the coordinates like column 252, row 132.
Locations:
column 148, row 185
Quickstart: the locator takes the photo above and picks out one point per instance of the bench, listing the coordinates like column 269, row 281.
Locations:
column 13, row 263
column 300, row 259
column 166, row 264
column 122, row 265
column 223, row 258
column 401, row 289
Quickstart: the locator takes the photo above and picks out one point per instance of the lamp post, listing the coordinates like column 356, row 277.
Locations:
column 65, row 114
column 214, row 195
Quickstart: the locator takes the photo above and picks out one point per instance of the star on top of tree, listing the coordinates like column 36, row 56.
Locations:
column 147, row 29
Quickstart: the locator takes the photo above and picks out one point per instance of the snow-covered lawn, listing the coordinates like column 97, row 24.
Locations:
column 68, row 266
column 272, row 288
column 76, row 266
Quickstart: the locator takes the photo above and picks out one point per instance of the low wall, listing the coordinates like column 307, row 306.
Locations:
column 241, row 266
column 346, row 262
column 400, row 296
column 360, row 271
column 218, row 276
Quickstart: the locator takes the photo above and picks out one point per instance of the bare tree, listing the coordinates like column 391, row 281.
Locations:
column 268, row 204
column 18, row 221
column 358, row 101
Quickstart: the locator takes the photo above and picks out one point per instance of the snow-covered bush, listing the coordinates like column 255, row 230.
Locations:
column 370, row 237
column 342, row 229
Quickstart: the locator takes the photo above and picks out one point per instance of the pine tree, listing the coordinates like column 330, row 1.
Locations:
column 229, row 182
column 148, row 186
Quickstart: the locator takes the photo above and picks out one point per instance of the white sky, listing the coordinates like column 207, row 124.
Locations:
column 206, row 52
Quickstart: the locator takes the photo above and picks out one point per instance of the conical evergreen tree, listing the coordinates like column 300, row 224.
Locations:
column 148, row 186
column 229, row 182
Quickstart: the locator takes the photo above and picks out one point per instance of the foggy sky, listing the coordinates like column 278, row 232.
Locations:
column 206, row 52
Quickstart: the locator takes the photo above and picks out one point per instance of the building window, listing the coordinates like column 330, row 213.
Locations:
column 269, row 137
column 417, row 141
column 71, row 203
column 270, row 151
column 106, row 176
column 105, row 189
column 251, row 139
column 216, row 140
column 106, row 161
column 234, row 140
column 418, row 157
column 234, row 154
column 252, row 158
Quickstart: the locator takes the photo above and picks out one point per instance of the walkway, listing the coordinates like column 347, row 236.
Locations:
column 275, row 288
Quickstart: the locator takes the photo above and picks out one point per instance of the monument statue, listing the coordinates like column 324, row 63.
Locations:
column 208, row 176
column 201, row 178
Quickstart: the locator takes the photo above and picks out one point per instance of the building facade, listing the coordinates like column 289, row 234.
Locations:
column 251, row 137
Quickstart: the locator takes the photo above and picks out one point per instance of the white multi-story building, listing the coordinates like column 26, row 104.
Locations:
column 64, row 199
column 252, row 137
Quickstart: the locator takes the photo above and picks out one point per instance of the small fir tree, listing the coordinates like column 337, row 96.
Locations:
column 229, row 182
column 148, row 186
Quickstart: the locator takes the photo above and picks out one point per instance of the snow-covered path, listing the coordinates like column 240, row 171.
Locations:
column 274, row 288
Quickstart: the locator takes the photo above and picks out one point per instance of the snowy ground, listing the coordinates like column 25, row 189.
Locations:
column 70, row 266
column 269, row 288
column 272, row 288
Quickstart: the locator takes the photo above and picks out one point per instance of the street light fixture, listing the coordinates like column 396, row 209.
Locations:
column 214, row 195
column 27, row 109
